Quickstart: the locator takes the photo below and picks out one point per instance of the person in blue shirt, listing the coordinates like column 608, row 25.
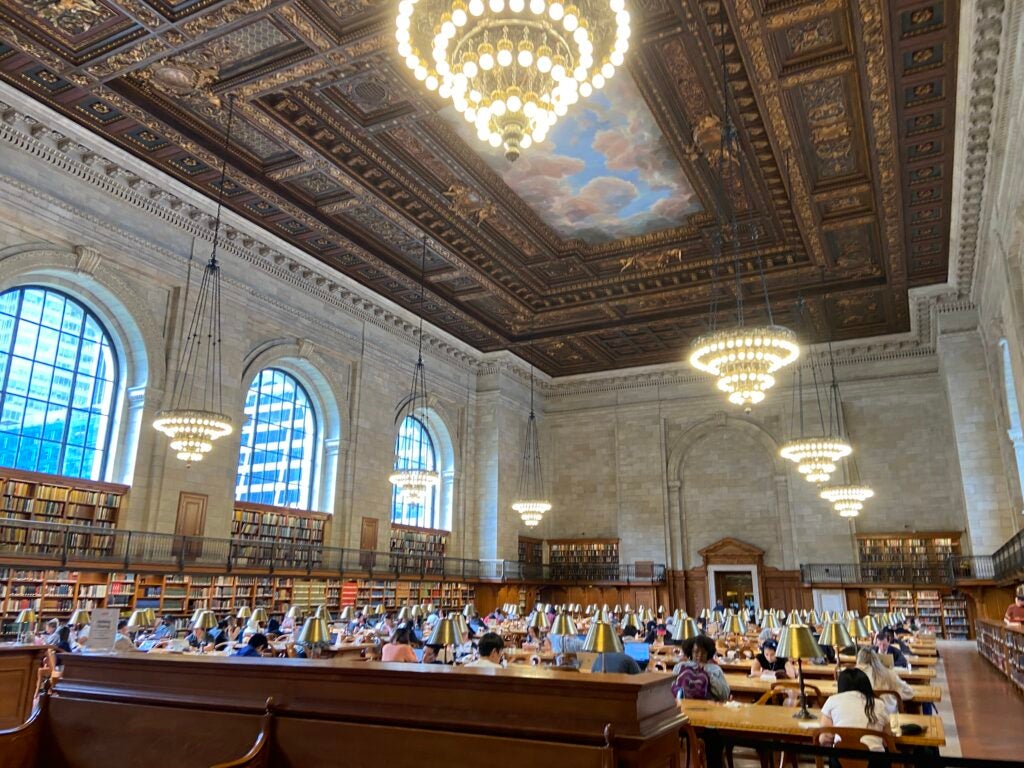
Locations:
column 257, row 646
column 166, row 629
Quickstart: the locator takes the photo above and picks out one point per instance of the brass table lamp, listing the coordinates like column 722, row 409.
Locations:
column 314, row 636
column 835, row 635
column 797, row 642
column 601, row 639
column 562, row 625
column 79, row 618
column 259, row 616
column 685, row 629
column 445, row 634
column 26, row 625
column 244, row 612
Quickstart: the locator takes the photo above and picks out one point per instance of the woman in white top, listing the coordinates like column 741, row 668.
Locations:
column 855, row 706
column 883, row 679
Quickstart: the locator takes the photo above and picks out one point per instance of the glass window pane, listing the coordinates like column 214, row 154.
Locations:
column 276, row 458
column 62, row 356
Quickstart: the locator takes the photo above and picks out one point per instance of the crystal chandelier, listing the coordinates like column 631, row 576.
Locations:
column 743, row 359
column 816, row 456
column 531, row 503
column 847, row 500
column 414, row 484
column 196, row 417
column 513, row 67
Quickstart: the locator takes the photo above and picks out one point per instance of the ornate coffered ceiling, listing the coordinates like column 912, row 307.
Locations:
column 845, row 112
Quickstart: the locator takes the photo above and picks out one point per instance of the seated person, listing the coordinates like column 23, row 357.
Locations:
column 50, row 635
column 398, row 647
column 489, row 649
column 219, row 634
column 63, row 639
column 273, row 627
column 884, row 644
column 122, row 641
column 699, row 677
column 768, row 661
column 258, row 645
column 534, row 642
column 165, row 629
column 615, row 663
column 854, row 706
column 433, row 654
column 565, row 643
column 199, row 638
column 883, row 679
column 629, row 635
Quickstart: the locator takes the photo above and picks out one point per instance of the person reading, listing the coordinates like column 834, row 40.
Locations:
column 768, row 663
column 1015, row 612
column 258, row 645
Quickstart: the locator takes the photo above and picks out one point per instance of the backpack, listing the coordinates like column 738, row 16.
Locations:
column 692, row 683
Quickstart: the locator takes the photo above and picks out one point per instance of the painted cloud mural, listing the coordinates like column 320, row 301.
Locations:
column 604, row 172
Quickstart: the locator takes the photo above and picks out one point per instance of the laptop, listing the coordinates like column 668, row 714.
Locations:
column 639, row 652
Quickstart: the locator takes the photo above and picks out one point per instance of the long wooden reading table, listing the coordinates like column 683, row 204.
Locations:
column 778, row 722
column 751, row 688
column 922, row 675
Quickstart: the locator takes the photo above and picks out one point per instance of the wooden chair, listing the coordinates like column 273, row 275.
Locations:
column 851, row 738
column 49, row 671
column 792, row 688
column 692, row 748
column 900, row 707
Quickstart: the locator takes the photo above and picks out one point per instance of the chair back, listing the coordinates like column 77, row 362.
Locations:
column 852, row 739
column 791, row 688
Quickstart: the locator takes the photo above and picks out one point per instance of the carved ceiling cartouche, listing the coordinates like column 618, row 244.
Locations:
column 845, row 112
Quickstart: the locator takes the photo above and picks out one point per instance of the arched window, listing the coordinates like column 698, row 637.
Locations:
column 414, row 449
column 1013, row 411
column 59, row 373
column 277, row 458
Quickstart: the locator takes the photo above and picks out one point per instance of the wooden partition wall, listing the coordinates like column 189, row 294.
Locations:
column 326, row 712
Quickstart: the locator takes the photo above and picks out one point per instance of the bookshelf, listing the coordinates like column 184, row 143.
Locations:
column 37, row 497
column 289, row 537
column 415, row 550
column 903, row 558
column 531, row 551
column 929, row 612
column 1003, row 648
column 583, row 558
column 55, row 594
column 955, row 625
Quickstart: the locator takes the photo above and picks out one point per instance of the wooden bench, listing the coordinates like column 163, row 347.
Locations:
column 205, row 712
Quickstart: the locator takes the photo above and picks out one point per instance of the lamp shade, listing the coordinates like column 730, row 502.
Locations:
column 206, row 620
column 705, row 614
column 297, row 613
column 539, row 620
column 259, row 615
column 244, row 612
column 684, row 630
column 871, row 624
column 734, row 625
column 404, row 615
column 562, row 625
column 445, row 633
column 461, row 625
column 717, row 617
column 138, row 621
column 794, row 618
column 469, row 610
column 835, row 635
column 661, row 610
column 813, row 619
column 347, row 614
column 323, row 613
column 646, row 615
column 195, row 615
column 797, row 642
column 314, row 632
column 601, row 638
column 856, row 628
column 79, row 618
column 630, row 620
column 150, row 617
column 379, row 610
column 627, row 608
column 769, row 621
column 618, row 609
column 26, row 616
